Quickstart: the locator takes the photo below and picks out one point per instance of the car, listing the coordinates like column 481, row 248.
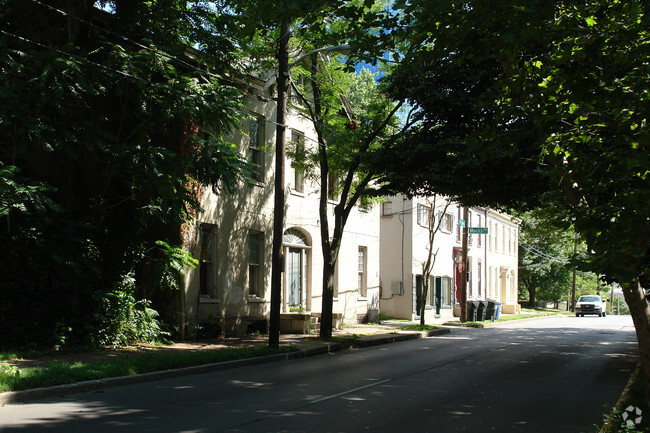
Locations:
column 591, row 304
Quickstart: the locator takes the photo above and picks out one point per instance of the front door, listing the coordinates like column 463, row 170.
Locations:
column 438, row 295
column 294, row 277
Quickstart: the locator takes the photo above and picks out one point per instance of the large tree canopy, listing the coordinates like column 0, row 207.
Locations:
column 107, row 120
column 521, row 99
column 530, row 97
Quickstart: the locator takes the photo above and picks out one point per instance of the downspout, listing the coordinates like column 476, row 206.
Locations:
column 485, row 264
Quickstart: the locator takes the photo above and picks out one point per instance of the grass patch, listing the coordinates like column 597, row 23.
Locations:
column 59, row 373
column 383, row 316
column 554, row 311
column 613, row 417
column 39, row 353
column 508, row 317
column 418, row 328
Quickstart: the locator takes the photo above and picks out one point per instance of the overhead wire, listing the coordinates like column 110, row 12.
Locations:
column 154, row 51
column 538, row 253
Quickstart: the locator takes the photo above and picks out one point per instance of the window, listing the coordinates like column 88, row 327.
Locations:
column 458, row 234
column 336, row 280
column 332, row 187
column 496, row 237
column 489, row 236
column 446, row 292
column 255, row 141
column 479, row 237
column 207, row 261
column 447, row 222
column 387, row 209
column 490, row 282
column 509, row 240
column 362, row 271
column 254, row 260
column 298, row 140
column 469, row 224
column 468, row 269
column 423, row 215
column 419, row 287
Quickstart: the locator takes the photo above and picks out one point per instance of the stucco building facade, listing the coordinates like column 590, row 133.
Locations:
column 232, row 237
column 404, row 239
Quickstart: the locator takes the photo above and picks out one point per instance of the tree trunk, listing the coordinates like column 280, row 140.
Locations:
column 328, row 298
column 278, row 210
column 532, row 291
column 423, row 299
column 640, row 311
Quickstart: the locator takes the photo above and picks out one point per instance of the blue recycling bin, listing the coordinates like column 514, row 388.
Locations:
column 498, row 310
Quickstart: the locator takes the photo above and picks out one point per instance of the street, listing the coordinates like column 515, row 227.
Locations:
column 545, row 375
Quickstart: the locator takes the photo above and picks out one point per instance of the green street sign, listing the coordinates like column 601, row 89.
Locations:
column 478, row 230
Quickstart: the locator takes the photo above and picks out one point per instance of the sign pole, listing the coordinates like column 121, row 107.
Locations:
column 463, row 273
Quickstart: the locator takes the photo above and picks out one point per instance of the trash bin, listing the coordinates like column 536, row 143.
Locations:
column 491, row 310
column 498, row 310
column 480, row 312
column 472, row 307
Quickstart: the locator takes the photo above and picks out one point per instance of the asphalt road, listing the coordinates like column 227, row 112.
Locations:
column 539, row 376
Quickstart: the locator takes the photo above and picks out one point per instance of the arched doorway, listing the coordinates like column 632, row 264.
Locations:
column 297, row 250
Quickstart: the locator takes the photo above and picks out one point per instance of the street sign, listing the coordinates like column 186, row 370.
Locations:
column 478, row 230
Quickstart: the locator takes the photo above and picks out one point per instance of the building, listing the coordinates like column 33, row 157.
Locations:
column 232, row 238
column 404, row 237
column 502, row 260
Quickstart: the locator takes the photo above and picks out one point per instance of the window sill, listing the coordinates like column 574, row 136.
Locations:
column 362, row 298
column 255, row 299
column 296, row 193
column 207, row 299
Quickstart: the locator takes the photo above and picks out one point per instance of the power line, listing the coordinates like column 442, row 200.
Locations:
column 157, row 52
column 544, row 255
column 136, row 43
column 176, row 59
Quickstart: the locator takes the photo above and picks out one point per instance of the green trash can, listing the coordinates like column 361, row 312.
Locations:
column 491, row 310
column 481, row 310
column 472, row 308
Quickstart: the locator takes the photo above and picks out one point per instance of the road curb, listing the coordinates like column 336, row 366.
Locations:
column 370, row 340
column 110, row 382
column 439, row 331
column 378, row 339
column 490, row 324
column 618, row 407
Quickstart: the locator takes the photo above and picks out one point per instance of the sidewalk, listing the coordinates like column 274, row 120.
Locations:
column 361, row 335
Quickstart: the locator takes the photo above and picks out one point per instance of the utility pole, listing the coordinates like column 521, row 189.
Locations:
column 278, row 213
column 463, row 273
column 573, row 284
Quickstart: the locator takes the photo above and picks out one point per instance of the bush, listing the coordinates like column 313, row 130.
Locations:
column 123, row 320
